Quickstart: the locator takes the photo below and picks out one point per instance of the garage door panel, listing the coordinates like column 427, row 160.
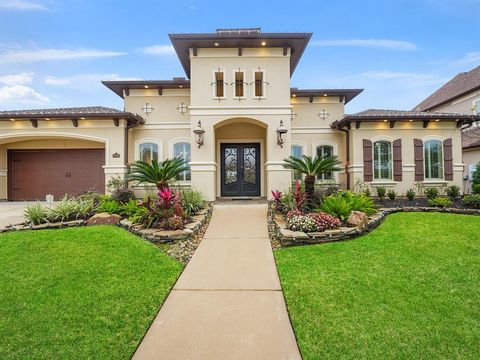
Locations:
column 36, row 173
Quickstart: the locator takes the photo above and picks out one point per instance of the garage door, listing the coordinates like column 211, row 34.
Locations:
column 33, row 174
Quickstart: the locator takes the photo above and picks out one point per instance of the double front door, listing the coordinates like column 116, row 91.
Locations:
column 240, row 167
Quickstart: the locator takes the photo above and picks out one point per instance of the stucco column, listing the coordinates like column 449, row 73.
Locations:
column 203, row 166
column 278, row 178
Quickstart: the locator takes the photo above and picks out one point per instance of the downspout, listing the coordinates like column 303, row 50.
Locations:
column 347, row 156
column 128, row 127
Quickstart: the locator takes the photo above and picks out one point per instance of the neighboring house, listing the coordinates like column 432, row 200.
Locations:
column 234, row 121
column 460, row 95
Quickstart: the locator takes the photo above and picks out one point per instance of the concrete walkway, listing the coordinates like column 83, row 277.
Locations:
column 12, row 212
column 228, row 303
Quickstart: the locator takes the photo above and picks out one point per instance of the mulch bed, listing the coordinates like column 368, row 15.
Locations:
column 417, row 202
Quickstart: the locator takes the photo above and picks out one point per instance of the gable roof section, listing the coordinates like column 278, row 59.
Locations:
column 119, row 86
column 461, row 84
column 471, row 138
column 347, row 94
column 88, row 112
column 403, row 115
column 239, row 38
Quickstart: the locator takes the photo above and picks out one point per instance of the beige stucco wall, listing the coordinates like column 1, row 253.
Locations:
column 61, row 134
column 407, row 131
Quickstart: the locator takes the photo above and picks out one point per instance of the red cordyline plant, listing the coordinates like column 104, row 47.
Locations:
column 299, row 195
column 277, row 197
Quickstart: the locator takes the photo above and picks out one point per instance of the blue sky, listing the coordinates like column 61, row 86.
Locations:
column 54, row 53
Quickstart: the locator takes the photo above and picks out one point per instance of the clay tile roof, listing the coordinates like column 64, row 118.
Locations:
column 461, row 84
column 471, row 138
column 91, row 112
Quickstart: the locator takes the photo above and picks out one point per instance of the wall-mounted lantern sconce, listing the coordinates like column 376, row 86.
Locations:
column 199, row 131
column 280, row 132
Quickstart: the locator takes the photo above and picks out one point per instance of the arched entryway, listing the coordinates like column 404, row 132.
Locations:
column 240, row 157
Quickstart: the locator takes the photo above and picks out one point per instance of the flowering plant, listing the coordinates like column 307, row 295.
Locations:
column 325, row 221
column 301, row 223
column 277, row 197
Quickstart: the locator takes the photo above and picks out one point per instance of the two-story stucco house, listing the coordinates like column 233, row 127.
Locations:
column 461, row 94
column 234, row 119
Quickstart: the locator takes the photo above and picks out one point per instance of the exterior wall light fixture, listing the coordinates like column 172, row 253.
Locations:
column 280, row 132
column 199, row 132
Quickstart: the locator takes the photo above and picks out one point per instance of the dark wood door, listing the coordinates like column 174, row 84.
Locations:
column 240, row 166
column 35, row 173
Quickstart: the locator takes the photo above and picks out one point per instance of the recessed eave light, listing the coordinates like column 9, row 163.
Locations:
column 180, row 86
column 146, row 86
column 216, row 44
column 385, row 120
column 47, row 119
column 12, row 119
column 294, row 95
column 437, row 120
column 264, row 43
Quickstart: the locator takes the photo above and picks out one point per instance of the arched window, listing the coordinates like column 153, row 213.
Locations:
column 325, row 151
column 433, row 159
column 297, row 151
column 183, row 151
column 148, row 152
column 382, row 160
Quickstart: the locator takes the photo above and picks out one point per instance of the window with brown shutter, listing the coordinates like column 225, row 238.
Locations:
column 418, row 155
column 367, row 161
column 448, row 159
column 397, row 160
column 239, row 84
column 259, row 83
column 219, row 84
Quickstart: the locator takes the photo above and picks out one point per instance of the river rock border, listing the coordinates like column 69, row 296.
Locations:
column 280, row 236
column 154, row 235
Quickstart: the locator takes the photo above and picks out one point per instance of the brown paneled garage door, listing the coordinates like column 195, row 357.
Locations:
column 33, row 174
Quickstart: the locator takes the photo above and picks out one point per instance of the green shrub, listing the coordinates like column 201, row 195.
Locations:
column 123, row 195
column 431, row 193
column 36, row 214
column 410, row 194
column 71, row 209
column 476, row 179
column 192, row 201
column 342, row 203
column 453, row 192
column 367, row 192
column 476, row 188
column 391, row 194
column 110, row 206
column 130, row 208
column 472, row 201
column 440, row 202
column 381, row 192
column 92, row 196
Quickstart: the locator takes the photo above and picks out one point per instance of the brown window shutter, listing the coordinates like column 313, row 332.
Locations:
column 397, row 160
column 418, row 154
column 367, row 161
column 448, row 159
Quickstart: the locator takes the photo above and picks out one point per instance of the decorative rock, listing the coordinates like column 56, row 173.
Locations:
column 126, row 223
column 293, row 234
column 40, row 226
column 104, row 219
column 171, row 234
column 74, row 223
column 358, row 219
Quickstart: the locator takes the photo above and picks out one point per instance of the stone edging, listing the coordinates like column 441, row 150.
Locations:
column 165, row 236
column 153, row 235
column 282, row 237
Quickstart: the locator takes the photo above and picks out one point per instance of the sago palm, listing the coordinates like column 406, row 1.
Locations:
column 160, row 174
column 311, row 168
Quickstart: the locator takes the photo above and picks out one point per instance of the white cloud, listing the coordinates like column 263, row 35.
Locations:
column 368, row 43
column 158, row 50
column 21, row 94
column 12, row 56
column 23, row 78
column 471, row 57
column 83, row 81
column 22, row 5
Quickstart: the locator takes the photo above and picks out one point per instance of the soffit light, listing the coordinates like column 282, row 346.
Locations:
column 264, row 43
column 12, row 119
column 294, row 95
column 216, row 44
column 146, row 86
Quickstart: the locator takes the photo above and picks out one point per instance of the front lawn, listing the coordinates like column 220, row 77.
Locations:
column 79, row 293
column 408, row 290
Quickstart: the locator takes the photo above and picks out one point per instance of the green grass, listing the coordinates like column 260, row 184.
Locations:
column 79, row 293
column 408, row 290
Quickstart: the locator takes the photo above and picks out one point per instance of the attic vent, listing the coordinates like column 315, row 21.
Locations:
column 240, row 31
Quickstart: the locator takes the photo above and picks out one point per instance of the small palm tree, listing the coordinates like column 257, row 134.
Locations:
column 161, row 174
column 311, row 168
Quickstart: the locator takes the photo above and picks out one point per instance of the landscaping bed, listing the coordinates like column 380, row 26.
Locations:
column 407, row 290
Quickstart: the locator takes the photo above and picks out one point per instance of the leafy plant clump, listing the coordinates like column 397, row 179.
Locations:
column 342, row 203
column 192, row 201
column 440, row 202
column 391, row 194
column 36, row 214
column 431, row 193
column 110, row 205
column 476, row 179
column 162, row 174
column 453, row 192
column 472, row 200
column 294, row 199
column 67, row 209
column 410, row 194
column 381, row 192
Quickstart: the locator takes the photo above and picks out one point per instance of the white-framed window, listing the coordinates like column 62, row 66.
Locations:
column 324, row 151
column 148, row 150
column 382, row 160
column 476, row 107
column 433, row 155
column 259, row 83
column 182, row 149
column 219, row 83
column 297, row 151
column 239, row 79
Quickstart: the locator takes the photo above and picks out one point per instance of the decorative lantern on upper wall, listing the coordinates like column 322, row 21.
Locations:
column 199, row 133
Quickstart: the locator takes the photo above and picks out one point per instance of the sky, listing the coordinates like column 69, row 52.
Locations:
column 54, row 53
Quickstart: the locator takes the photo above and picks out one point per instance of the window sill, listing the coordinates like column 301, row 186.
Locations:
column 384, row 182
column 433, row 182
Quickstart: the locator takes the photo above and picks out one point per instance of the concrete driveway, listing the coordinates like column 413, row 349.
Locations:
column 12, row 212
